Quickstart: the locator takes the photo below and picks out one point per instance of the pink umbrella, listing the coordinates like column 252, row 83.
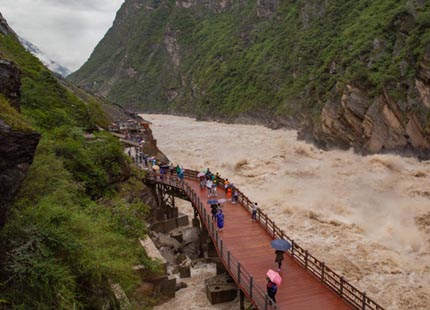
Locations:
column 274, row 277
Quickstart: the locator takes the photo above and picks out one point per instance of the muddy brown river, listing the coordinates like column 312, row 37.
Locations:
column 367, row 217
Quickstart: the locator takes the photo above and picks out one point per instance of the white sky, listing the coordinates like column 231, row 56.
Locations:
column 65, row 30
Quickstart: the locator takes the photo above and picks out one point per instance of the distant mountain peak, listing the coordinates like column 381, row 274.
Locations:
column 49, row 63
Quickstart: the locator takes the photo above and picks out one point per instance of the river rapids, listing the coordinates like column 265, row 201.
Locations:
column 366, row 217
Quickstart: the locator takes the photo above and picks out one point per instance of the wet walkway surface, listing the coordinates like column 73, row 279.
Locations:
column 249, row 243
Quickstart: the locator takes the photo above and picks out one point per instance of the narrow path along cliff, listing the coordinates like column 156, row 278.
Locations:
column 367, row 217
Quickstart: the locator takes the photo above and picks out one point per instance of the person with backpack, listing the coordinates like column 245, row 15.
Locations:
column 214, row 210
column 272, row 288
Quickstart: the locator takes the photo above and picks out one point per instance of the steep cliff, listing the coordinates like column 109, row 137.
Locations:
column 345, row 73
column 75, row 206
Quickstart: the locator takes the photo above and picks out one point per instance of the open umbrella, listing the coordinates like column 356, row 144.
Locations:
column 200, row 174
column 280, row 245
column 155, row 167
column 274, row 277
column 214, row 201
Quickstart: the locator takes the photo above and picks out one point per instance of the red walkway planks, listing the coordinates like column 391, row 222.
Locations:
column 250, row 244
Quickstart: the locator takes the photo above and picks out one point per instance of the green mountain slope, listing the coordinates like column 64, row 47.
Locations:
column 326, row 67
column 74, row 224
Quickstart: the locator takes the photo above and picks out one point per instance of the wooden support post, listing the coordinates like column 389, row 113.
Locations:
column 251, row 282
column 228, row 260
column 238, row 273
column 341, row 286
column 363, row 303
column 306, row 259
column 322, row 271
column 242, row 300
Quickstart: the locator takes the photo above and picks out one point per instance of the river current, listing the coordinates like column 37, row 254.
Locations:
column 366, row 217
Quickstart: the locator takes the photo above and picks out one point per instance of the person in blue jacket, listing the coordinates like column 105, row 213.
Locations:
column 220, row 220
column 272, row 288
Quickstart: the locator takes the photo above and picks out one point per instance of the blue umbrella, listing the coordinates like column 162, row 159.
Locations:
column 212, row 201
column 280, row 245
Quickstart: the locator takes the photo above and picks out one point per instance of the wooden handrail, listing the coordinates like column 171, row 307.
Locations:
column 241, row 276
column 330, row 278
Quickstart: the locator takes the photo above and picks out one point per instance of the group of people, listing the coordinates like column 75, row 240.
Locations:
column 211, row 182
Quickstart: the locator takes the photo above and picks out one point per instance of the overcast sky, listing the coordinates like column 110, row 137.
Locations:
column 65, row 30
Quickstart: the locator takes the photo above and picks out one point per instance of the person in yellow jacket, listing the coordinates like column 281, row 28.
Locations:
column 226, row 184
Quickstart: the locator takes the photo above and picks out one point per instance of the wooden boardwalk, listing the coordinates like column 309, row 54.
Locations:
column 244, row 247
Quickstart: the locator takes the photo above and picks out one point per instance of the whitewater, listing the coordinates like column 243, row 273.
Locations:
column 366, row 217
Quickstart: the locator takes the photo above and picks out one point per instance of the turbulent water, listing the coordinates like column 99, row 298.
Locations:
column 367, row 217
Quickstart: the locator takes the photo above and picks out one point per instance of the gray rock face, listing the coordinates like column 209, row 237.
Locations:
column 374, row 125
column 10, row 82
column 16, row 155
column 16, row 148
column 4, row 27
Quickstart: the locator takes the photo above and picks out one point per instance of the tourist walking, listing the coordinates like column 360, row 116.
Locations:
column 220, row 220
column 181, row 174
column 215, row 183
column 209, row 185
column 208, row 174
column 279, row 258
column 254, row 212
column 214, row 210
column 235, row 196
column 229, row 192
column 226, row 184
column 272, row 288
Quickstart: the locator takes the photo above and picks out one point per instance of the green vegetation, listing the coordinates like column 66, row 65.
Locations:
column 234, row 62
column 11, row 117
column 75, row 224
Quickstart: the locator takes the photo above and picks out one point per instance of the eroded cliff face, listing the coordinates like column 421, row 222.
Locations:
column 381, row 123
column 17, row 147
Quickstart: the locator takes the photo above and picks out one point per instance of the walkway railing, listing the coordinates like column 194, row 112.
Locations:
column 241, row 276
column 326, row 275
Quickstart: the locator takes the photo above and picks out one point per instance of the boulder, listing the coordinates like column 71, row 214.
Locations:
column 167, row 241
column 168, row 255
column 181, row 285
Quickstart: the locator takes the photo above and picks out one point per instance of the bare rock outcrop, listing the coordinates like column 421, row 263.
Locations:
column 17, row 147
column 10, row 82
column 215, row 5
column 4, row 27
column 266, row 8
column 373, row 125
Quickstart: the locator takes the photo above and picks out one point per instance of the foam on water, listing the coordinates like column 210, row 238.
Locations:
column 366, row 217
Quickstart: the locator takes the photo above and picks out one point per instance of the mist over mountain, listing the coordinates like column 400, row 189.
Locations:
column 50, row 64
column 344, row 73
